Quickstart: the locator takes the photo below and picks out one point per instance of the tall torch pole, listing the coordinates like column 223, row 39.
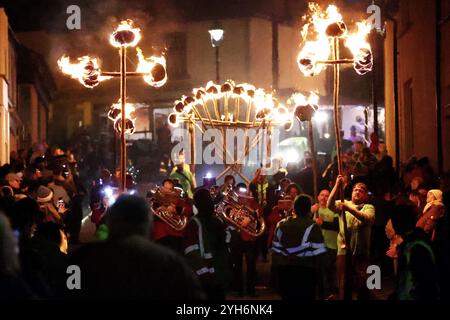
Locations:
column 347, row 285
column 123, row 98
column 314, row 158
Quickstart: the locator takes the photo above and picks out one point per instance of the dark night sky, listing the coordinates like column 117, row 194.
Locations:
column 26, row 15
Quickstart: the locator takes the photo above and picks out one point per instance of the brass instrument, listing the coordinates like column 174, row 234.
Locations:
column 233, row 211
column 285, row 204
column 163, row 205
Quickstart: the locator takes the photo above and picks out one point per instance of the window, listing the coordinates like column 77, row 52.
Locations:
column 176, row 54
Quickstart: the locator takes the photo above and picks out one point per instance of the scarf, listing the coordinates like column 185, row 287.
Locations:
column 438, row 202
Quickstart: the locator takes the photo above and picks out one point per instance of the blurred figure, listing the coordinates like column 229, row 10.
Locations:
column 298, row 249
column 433, row 214
column 127, row 265
column 417, row 272
column 47, row 207
column 329, row 224
column 183, row 174
column 204, row 247
column 12, row 287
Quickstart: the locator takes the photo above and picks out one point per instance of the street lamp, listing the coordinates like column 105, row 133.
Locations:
column 216, row 38
column 88, row 72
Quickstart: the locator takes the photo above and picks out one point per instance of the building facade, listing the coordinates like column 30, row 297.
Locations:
column 417, row 81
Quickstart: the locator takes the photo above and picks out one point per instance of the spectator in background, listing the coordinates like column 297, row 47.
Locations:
column 329, row 224
column 433, row 213
column 47, row 207
column 12, row 286
column 417, row 273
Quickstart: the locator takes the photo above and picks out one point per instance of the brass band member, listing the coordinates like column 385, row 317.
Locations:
column 162, row 232
column 243, row 244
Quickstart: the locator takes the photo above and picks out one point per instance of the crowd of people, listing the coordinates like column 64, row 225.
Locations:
column 175, row 243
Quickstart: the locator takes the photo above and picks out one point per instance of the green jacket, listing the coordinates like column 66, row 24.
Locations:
column 186, row 179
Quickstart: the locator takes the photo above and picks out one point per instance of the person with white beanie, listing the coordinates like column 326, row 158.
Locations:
column 433, row 212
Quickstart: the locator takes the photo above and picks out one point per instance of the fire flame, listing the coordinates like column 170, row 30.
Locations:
column 154, row 67
column 317, row 33
column 115, row 115
column 360, row 48
column 125, row 35
column 86, row 71
column 301, row 100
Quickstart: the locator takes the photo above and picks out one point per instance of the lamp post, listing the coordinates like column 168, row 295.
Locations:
column 216, row 38
column 87, row 71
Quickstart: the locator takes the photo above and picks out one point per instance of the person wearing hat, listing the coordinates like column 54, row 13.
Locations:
column 14, row 180
column 44, row 197
column 205, row 248
column 433, row 212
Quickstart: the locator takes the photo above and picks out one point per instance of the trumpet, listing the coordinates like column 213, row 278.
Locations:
column 239, row 215
column 163, row 205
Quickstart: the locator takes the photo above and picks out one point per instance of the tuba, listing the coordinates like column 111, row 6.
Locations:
column 233, row 211
column 163, row 205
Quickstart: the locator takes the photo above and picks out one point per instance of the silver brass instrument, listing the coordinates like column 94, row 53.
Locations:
column 163, row 205
column 239, row 215
column 283, row 203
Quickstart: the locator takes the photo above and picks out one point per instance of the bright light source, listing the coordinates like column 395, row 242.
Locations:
column 132, row 192
column 292, row 155
column 242, row 190
column 208, row 175
column 216, row 36
column 326, row 136
column 108, row 191
column 320, row 117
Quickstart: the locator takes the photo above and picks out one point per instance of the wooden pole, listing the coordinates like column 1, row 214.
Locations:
column 346, row 291
column 314, row 158
column 123, row 101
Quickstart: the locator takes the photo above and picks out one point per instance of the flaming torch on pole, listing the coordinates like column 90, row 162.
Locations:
column 305, row 108
column 88, row 72
column 322, row 36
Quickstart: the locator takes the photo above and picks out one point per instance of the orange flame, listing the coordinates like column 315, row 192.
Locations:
column 125, row 35
column 154, row 67
column 321, row 27
column 301, row 100
column 86, row 71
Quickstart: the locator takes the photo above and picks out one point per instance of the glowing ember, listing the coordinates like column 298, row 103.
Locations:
column 154, row 67
column 86, row 71
column 125, row 35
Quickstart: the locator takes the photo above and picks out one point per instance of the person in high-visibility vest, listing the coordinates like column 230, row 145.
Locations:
column 205, row 248
column 298, row 251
